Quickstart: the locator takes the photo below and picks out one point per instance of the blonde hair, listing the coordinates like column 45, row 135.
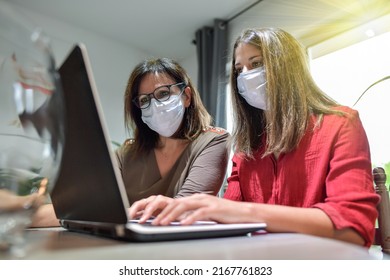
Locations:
column 293, row 96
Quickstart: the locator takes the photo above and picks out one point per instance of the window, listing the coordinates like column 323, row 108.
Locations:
column 346, row 73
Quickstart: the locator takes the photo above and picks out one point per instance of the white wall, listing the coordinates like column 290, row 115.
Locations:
column 190, row 64
column 111, row 61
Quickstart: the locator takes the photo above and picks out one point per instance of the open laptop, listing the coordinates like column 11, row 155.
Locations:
column 89, row 195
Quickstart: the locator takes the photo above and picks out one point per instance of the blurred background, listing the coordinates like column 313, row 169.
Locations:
column 348, row 43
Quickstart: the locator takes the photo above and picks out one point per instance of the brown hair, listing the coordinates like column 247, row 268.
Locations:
column 196, row 118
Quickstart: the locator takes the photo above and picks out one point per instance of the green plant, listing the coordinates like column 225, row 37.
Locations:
column 22, row 185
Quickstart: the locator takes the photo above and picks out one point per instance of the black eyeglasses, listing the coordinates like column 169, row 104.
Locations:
column 161, row 94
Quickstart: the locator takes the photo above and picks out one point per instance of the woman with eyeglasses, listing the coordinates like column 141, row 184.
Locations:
column 302, row 161
column 174, row 151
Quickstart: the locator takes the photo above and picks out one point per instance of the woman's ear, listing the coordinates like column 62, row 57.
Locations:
column 187, row 93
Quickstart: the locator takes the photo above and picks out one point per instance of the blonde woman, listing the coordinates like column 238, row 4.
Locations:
column 302, row 161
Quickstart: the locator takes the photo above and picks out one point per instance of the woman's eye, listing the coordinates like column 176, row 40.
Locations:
column 162, row 94
column 257, row 64
column 143, row 100
column 238, row 70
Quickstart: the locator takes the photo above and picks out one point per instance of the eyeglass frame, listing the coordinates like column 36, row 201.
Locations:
column 136, row 99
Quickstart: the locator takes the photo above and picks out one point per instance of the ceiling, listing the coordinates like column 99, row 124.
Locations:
column 167, row 27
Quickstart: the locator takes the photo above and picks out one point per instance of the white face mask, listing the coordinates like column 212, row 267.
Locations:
column 252, row 86
column 164, row 117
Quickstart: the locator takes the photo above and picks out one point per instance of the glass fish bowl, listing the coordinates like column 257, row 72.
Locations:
column 31, row 126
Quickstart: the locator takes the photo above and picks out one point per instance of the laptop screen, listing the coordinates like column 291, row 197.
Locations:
column 89, row 186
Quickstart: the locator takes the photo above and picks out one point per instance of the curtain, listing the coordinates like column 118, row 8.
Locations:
column 211, row 45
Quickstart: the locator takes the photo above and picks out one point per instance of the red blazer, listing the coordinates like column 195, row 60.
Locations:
column 330, row 169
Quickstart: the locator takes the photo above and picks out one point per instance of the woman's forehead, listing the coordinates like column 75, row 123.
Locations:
column 245, row 52
column 153, row 80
